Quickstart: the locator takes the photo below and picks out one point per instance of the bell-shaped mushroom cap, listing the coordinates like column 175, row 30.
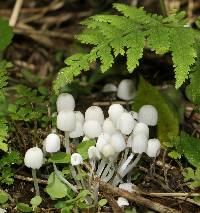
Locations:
column 139, row 144
column 125, row 123
column 114, row 111
column 109, row 88
column 33, row 158
column 78, row 131
column 65, row 101
column 153, row 148
column 148, row 114
column 102, row 140
column 52, row 143
column 118, row 142
column 134, row 114
column 79, row 116
column 141, row 128
column 127, row 186
column 122, row 202
column 92, row 128
column 66, row 121
column 126, row 90
column 108, row 126
column 94, row 153
column 76, row 159
column 94, row 113
column 108, row 151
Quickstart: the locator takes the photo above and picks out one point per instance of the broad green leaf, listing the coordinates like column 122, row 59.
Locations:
column 83, row 147
column 103, row 202
column 55, row 188
column 168, row 124
column 5, row 34
column 3, row 197
column 60, row 157
column 22, row 207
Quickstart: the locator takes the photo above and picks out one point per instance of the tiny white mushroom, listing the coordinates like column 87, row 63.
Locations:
column 122, row 202
column 114, row 111
column 78, row 131
column 126, row 90
column 108, row 126
column 109, row 87
column 148, row 114
column 141, row 128
column 139, row 144
column 153, row 148
column 125, row 123
column 34, row 159
column 92, row 128
column 102, row 141
column 118, row 142
column 76, row 159
column 52, row 143
column 94, row 113
column 79, row 116
column 127, row 186
column 65, row 101
column 93, row 153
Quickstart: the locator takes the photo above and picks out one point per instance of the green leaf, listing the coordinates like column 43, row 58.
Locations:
column 35, row 202
column 3, row 197
column 5, row 34
column 83, row 147
column 192, row 177
column 102, row 202
column 60, row 157
column 55, row 188
column 24, row 207
column 168, row 124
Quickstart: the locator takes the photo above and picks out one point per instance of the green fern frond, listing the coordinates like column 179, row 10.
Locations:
column 183, row 52
column 3, row 135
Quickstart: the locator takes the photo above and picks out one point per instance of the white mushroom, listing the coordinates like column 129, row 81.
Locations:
column 52, row 143
column 148, row 114
column 153, row 148
column 34, row 159
column 65, row 101
column 108, row 126
column 139, row 144
column 94, row 113
column 122, row 202
column 114, row 111
column 141, row 128
column 76, row 159
column 126, row 90
column 102, row 140
column 108, row 150
column 109, row 88
column 92, row 128
column 78, row 131
column 118, row 142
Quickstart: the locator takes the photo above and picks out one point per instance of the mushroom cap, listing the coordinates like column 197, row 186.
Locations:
column 148, row 114
column 121, row 201
column 109, row 88
column 139, row 144
column 79, row 116
column 108, row 151
column 127, row 186
column 126, row 90
column 102, row 140
column 65, row 101
column 78, row 131
column 108, row 126
column 134, row 114
column 118, row 142
column 141, row 128
column 153, row 148
column 66, row 121
column 125, row 123
column 52, row 143
column 33, row 158
column 94, row 113
column 92, row 128
column 94, row 153
column 76, row 159
column 114, row 111
column 129, row 141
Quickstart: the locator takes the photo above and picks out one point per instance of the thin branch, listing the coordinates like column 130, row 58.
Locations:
column 15, row 13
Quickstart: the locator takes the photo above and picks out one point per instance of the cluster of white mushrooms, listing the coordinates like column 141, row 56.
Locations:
column 121, row 138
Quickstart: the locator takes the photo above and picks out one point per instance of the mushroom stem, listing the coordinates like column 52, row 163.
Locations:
column 92, row 162
column 106, row 170
column 101, row 167
column 125, row 164
column 37, row 190
column 123, row 173
column 58, row 173
column 67, row 147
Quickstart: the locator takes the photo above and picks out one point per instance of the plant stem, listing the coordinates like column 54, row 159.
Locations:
column 125, row 164
column 67, row 147
column 59, row 175
column 106, row 170
column 36, row 186
column 101, row 167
